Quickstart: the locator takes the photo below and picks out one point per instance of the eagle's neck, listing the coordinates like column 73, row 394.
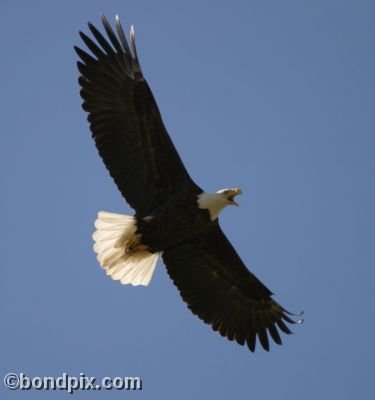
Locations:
column 213, row 202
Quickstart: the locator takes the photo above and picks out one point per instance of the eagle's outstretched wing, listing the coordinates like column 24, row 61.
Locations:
column 126, row 123
column 219, row 289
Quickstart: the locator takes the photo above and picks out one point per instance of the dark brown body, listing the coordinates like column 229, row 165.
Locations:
column 177, row 221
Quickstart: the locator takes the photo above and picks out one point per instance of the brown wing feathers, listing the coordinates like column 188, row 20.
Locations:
column 220, row 290
column 125, row 121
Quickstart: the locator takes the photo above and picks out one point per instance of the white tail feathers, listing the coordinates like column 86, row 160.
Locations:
column 119, row 251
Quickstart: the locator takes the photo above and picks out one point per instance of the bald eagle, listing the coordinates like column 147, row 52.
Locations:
column 174, row 218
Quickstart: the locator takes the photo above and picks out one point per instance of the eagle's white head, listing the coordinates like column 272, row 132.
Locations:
column 215, row 202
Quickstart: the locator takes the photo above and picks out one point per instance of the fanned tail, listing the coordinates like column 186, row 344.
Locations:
column 119, row 250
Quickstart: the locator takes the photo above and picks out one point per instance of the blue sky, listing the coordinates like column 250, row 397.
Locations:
column 274, row 97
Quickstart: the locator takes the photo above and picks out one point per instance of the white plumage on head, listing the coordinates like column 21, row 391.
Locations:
column 215, row 202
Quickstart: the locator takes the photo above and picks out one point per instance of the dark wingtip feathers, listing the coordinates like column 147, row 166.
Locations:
column 103, row 48
column 120, row 46
column 265, row 327
column 293, row 314
column 121, row 35
column 86, row 58
column 251, row 343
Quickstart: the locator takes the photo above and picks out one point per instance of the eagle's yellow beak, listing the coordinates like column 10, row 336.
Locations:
column 232, row 193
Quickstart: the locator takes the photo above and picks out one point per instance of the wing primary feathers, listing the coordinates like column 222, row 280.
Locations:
column 101, row 40
column 290, row 320
column 270, row 324
column 132, row 51
column 255, row 326
column 92, row 46
column 283, row 327
column 112, row 37
column 82, row 68
column 86, row 58
column 134, row 48
column 293, row 314
column 251, row 341
column 275, row 334
column 121, row 35
column 132, row 42
column 262, row 331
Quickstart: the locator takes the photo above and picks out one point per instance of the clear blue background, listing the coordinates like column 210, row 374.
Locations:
column 276, row 97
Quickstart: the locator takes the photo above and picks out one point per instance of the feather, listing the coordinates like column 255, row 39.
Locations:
column 114, row 233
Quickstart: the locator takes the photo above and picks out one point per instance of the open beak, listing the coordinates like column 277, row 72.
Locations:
column 232, row 195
